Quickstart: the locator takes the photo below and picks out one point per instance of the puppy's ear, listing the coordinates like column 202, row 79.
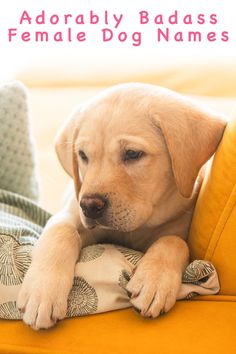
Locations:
column 66, row 151
column 192, row 135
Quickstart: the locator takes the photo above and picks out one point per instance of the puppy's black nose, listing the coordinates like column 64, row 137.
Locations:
column 93, row 206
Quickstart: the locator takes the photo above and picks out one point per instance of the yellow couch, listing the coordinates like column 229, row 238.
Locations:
column 203, row 325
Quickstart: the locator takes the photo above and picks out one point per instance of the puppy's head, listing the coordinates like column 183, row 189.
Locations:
column 130, row 148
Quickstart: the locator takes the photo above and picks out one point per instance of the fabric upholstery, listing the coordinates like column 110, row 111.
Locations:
column 213, row 230
column 191, row 327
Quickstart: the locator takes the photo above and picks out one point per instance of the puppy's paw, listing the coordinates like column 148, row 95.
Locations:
column 153, row 289
column 43, row 298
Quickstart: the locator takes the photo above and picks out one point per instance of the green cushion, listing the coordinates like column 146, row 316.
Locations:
column 17, row 163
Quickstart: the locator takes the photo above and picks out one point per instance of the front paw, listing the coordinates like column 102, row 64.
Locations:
column 153, row 290
column 43, row 298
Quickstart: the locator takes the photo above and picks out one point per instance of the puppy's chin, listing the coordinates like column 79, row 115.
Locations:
column 109, row 223
column 91, row 223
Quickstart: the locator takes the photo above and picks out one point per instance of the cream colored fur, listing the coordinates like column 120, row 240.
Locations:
column 151, row 199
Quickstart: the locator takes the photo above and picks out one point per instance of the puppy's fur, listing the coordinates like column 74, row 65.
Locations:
column 150, row 198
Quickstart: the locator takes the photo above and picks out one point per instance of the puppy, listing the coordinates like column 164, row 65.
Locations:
column 134, row 153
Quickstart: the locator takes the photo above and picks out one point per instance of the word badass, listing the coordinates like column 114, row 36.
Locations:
column 175, row 19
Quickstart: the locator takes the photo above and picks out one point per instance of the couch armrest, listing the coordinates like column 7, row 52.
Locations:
column 213, row 230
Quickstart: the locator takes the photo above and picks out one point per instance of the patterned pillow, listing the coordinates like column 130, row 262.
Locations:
column 101, row 274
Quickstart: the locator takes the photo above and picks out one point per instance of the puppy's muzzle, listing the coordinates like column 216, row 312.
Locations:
column 93, row 206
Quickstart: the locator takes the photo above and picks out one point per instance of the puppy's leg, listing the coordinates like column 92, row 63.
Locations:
column 44, row 292
column 157, row 278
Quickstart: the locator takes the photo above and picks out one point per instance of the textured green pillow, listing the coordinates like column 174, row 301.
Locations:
column 17, row 166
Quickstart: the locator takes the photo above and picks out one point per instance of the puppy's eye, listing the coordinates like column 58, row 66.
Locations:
column 132, row 155
column 83, row 156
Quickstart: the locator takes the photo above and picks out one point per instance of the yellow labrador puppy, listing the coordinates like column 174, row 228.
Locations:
column 134, row 153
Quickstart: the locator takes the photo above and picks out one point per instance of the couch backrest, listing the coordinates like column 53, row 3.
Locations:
column 213, row 230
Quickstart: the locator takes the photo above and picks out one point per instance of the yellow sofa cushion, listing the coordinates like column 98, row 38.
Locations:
column 213, row 231
column 191, row 327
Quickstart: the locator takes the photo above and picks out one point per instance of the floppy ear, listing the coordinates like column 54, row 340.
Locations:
column 65, row 149
column 192, row 135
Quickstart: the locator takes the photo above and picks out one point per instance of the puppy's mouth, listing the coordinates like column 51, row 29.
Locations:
column 112, row 225
column 92, row 224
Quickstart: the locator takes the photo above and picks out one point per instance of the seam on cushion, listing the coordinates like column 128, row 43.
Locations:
column 215, row 298
column 220, row 226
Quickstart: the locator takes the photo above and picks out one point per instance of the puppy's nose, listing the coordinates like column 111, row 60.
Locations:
column 93, row 206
